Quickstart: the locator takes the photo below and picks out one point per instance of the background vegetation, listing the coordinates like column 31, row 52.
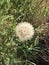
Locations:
column 12, row 51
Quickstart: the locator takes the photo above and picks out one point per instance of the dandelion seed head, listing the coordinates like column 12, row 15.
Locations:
column 24, row 31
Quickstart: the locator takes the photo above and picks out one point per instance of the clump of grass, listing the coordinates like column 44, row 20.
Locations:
column 12, row 51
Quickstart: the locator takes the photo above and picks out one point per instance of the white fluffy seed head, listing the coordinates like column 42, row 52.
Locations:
column 24, row 31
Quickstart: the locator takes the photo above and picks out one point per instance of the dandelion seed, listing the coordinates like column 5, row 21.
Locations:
column 24, row 31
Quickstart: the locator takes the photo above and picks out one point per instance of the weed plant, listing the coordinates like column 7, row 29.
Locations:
column 12, row 12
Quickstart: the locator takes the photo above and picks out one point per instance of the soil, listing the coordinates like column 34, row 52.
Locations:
column 43, row 57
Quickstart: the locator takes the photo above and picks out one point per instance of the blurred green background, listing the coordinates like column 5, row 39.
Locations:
column 12, row 51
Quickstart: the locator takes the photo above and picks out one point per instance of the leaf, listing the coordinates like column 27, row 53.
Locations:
column 1, row 2
column 36, row 41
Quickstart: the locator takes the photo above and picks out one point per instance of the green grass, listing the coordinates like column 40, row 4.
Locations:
column 12, row 51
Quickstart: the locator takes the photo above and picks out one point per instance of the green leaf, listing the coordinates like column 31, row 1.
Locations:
column 1, row 2
column 36, row 41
